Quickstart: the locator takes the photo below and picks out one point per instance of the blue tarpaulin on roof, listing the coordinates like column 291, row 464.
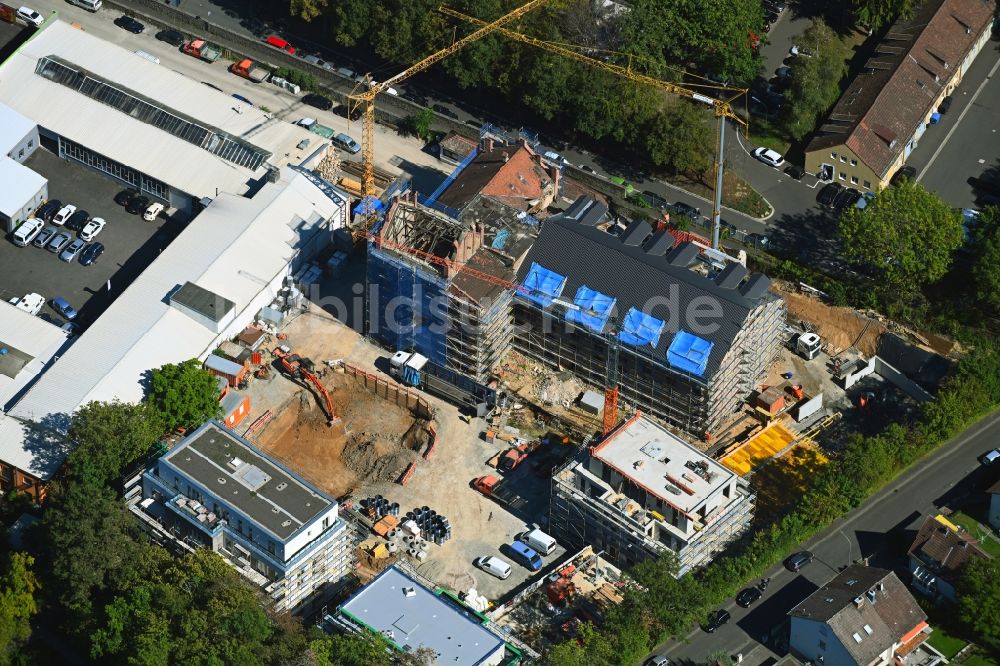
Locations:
column 372, row 204
column 595, row 308
column 689, row 353
column 542, row 285
column 640, row 329
column 501, row 239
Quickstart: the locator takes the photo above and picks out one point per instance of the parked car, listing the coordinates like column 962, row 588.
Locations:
column 137, row 205
column 30, row 16
column 682, row 208
column 31, row 303
column 797, row 51
column 76, row 221
column 130, row 24
column 905, row 172
column 945, row 104
column 828, row 194
column 48, row 210
column 62, row 306
column 798, row 560
column 494, row 565
column 783, row 73
column 748, row 596
column 990, row 457
column 172, row 37
column 44, row 236
column 58, row 242
column 242, row 99
column 347, row 143
column 73, row 249
column 92, row 228
column 865, row 199
column 91, row 253
column 63, row 214
column 279, row 43
column 758, row 240
column 415, row 97
column 123, row 197
column 587, row 168
column 655, row 200
column 658, row 660
column 346, row 112
column 795, row 171
column 153, row 211
column 320, row 102
column 769, row 157
column 716, row 620
column 847, row 197
column 26, row 231
column 445, row 111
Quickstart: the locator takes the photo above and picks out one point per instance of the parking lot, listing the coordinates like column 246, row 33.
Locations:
column 130, row 245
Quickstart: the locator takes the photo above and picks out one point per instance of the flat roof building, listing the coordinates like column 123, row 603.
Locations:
column 643, row 491
column 142, row 123
column 410, row 616
column 219, row 491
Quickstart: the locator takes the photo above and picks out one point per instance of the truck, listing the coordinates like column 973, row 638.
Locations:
column 493, row 487
column 313, row 126
column 248, row 69
column 516, row 455
column 199, row 48
column 416, row 370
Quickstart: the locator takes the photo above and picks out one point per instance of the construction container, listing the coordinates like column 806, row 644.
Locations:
column 251, row 337
column 234, row 372
column 771, row 400
column 235, row 407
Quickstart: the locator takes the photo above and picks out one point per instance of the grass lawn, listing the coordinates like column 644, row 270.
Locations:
column 945, row 644
column 985, row 535
column 979, row 660
column 763, row 133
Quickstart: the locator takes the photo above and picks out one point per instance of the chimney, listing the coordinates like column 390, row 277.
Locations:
column 505, row 157
column 489, row 143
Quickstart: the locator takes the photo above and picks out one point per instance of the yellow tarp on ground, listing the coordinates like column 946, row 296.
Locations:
column 759, row 448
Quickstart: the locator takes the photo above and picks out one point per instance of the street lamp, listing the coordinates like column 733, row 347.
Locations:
column 850, row 546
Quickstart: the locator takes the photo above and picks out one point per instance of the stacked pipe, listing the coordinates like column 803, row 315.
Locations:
column 433, row 526
column 380, row 506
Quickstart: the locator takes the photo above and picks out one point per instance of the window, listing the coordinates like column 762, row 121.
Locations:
column 843, row 176
column 833, row 156
column 843, row 159
column 822, row 645
column 20, row 153
column 868, row 629
column 868, row 184
column 854, row 179
column 31, row 143
column 854, row 163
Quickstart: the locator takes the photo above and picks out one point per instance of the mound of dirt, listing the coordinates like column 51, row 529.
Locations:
column 839, row 327
column 375, row 458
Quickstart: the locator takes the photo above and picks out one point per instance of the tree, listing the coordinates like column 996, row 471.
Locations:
column 350, row 650
column 109, row 437
column 986, row 266
column 907, row 234
column 978, row 592
column 307, row 10
column 681, row 138
column 422, row 123
column 185, row 394
column 18, row 587
column 876, row 13
column 815, row 85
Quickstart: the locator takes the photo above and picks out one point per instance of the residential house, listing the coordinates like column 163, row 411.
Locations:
column 863, row 617
column 938, row 556
column 885, row 110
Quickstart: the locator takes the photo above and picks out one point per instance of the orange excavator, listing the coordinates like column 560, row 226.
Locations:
column 301, row 368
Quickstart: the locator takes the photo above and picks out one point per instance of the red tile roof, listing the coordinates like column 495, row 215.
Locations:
column 508, row 173
column 883, row 106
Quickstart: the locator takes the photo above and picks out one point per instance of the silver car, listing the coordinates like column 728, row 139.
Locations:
column 58, row 242
column 73, row 249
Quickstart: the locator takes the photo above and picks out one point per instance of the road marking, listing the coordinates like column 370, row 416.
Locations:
column 958, row 122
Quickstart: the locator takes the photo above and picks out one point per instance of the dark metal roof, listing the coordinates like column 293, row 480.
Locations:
column 641, row 277
column 943, row 550
column 204, row 302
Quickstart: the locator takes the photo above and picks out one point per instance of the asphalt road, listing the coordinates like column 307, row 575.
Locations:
column 880, row 530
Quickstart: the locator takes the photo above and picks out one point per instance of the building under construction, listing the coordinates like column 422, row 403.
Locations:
column 692, row 339
column 436, row 281
column 643, row 491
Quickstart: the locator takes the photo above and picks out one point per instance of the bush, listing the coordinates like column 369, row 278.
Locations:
column 302, row 79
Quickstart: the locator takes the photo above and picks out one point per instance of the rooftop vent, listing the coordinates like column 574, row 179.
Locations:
column 286, row 523
column 409, row 592
column 859, row 601
column 871, row 595
column 281, row 486
column 868, row 629
column 857, row 637
column 235, row 462
column 221, row 481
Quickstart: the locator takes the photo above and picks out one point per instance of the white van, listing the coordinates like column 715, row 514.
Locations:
column 90, row 5
column 539, row 540
column 494, row 565
column 26, row 233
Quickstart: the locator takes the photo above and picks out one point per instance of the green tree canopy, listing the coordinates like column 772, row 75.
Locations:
column 18, row 587
column 986, row 266
column 681, row 138
column 109, row 437
column 876, row 13
column 978, row 594
column 907, row 234
column 815, row 85
column 185, row 394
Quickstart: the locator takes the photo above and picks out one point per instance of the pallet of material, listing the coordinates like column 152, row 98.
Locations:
column 385, row 525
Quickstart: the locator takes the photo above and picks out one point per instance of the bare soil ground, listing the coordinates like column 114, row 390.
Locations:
column 839, row 327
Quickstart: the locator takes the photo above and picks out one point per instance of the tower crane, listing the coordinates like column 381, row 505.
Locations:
column 722, row 108
column 366, row 98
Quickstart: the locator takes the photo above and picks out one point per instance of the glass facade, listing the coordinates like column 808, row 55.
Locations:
column 136, row 179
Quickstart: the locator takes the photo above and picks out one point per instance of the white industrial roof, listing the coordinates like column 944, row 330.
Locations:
column 19, row 185
column 120, row 137
column 411, row 616
column 13, row 127
column 30, row 335
column 662, row 463
column 236, row 248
